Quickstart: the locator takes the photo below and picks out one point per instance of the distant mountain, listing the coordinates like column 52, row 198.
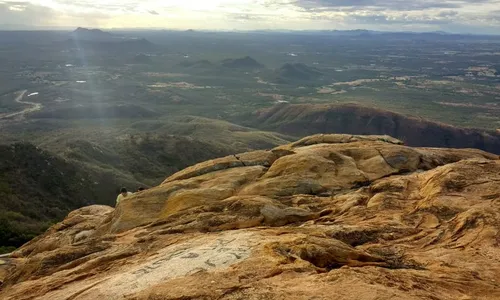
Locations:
column 298, row 71
column 400, row 35
column 91, row 34
column 242, row 63
column 115, row 44
column 98, row 40
column 306, row 119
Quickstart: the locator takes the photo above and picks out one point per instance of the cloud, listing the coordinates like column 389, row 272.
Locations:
column 449, row 13
column 23, row 13
column 103, row 6
column 478, row 15
column 401, row 5
column 29, row 15
column 473, row 16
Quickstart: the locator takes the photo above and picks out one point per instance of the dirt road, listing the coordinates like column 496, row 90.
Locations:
column 19, row 99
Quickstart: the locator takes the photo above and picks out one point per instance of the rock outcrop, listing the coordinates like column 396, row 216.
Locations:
column 329, row 216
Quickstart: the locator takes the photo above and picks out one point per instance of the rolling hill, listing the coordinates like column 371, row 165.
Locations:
column 241, row 63
column 78, row 165
column 140, row 151
column 305, row 119
column 297, row 71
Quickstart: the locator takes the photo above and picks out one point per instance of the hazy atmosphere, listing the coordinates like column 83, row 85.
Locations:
column 260, row 150
column 458, row 16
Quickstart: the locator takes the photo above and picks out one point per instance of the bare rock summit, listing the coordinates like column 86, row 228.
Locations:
column 327, row 217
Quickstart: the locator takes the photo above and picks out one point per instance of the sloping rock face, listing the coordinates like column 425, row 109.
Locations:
column 327, row 217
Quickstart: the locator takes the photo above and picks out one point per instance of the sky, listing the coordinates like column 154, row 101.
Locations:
column 456, row 16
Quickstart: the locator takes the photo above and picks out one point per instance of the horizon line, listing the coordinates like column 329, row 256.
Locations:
column 72, row 28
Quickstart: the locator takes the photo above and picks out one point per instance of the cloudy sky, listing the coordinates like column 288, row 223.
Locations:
column 471, row 16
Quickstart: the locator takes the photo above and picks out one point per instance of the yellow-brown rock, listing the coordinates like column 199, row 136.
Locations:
column 327, row 217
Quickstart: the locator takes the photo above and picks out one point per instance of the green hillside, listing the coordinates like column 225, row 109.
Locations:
column 38, row 189
column 84, row 163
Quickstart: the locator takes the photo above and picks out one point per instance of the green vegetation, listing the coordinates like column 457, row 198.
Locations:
column 37, row 189
column 224, row 75
column 130, row 111
column 289, row 73
column 147, row 151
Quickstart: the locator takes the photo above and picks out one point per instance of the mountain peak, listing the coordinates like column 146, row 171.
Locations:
column 245, row 62
column 321, row 216
column 86, row 30
column 91, row 34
